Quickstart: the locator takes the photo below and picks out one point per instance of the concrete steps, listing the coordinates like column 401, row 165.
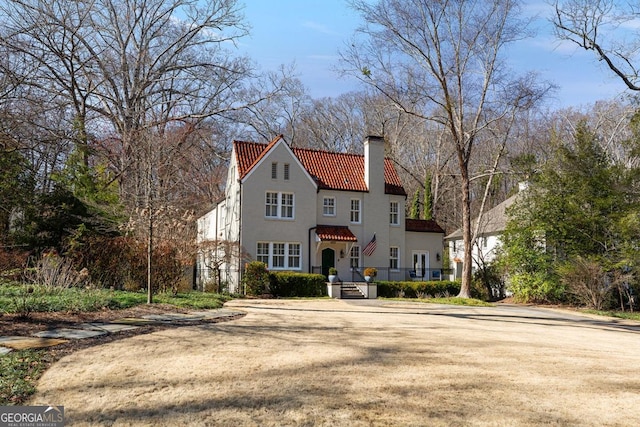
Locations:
column 350, row 291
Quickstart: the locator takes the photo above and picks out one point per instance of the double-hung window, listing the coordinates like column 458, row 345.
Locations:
column 262, row 252
column 355, row 211
column 394, row 257
column 329, row 206
column 393, row 213
column 294, row 256
column 280, row 255
column 286, row 205
column 278, row 258
column 271, row 205
column 279, row 205
column 354, row 257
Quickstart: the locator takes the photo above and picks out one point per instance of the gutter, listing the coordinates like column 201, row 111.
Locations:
column 309, row 246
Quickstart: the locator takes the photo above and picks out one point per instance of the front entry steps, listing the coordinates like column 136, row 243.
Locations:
column 350, row 291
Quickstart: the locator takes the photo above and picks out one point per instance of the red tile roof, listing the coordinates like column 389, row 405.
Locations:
column 422, row 225
column 331, row 171
column 338, row 233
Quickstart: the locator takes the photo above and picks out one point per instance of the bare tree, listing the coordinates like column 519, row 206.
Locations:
column 598, row 26
column 441, row 61
column 137, row 70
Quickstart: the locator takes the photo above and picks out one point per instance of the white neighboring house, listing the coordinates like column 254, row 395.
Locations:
column 308, row 210
column 485, row 247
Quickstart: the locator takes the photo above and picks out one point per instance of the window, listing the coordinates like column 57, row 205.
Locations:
column 271, row 205
column 262, row 252
column 279, row 205
column 354, row 257
column 394, row 257
column 286, row 171
column 279, row 255
column 393, row 213
column 329, row 206
column 294, row 255
column 286, row 205
column 274, row 170
column 355, row 211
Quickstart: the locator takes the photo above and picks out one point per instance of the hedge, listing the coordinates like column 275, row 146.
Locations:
column 416, row 289
column 288, row 284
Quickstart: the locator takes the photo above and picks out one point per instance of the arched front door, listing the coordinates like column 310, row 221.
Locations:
column 328, row 260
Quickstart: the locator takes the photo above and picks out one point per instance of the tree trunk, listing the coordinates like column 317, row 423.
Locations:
column 465, row 286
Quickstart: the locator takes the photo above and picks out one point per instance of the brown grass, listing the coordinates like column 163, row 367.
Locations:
column 328, row 363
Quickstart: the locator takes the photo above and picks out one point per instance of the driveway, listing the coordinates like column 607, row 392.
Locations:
column 360, row 363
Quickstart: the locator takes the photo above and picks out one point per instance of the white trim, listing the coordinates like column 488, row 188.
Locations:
column 335, row 208
column 266, row 156
column 279, row 206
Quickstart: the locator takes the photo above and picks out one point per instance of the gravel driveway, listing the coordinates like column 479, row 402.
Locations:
column 360, row 363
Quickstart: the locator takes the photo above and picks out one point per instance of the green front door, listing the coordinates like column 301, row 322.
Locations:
column 328, row 260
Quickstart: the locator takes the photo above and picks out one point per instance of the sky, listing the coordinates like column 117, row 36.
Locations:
column 309, row 34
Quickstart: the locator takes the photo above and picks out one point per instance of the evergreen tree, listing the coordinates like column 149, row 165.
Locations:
column 415, row 205
column 580, row 205
column 428, row 197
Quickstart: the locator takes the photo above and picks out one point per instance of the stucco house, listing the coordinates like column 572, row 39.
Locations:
column 308, row 210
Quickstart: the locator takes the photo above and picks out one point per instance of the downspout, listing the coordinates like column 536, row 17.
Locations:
column 309, row 246
column 244, row 291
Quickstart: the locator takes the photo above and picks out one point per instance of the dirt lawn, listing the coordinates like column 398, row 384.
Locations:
column 360, row 363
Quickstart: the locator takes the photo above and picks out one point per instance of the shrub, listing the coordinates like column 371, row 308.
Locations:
column 12, row 263
column 535, row 287
column 488, row 284
column 121, row 263
column 55, row 272
column 414, row 289
column 256, row 278
column 289, row 284
column 588, row 283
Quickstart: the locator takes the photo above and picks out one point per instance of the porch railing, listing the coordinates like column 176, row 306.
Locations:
column 392, row 274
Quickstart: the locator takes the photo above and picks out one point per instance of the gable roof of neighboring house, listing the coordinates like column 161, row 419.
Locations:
column 422, row 225
column 330, row 170
column 494, row 221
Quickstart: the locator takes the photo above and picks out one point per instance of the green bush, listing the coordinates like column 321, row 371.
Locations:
column 289, row 284
column 536, row 287
column 418, row 289
column 256, row 278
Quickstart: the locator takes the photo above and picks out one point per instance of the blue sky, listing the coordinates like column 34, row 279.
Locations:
column 309, row 33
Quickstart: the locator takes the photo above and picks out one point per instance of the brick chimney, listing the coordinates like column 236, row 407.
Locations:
column 374, row 163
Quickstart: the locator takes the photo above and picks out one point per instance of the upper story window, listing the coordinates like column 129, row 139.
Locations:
column 329, row 206
column 393, row 213
column 274, row 170
column 286, row 205
column 279, row 205
column 286, row 171
column 355, row 211
column 271, row 205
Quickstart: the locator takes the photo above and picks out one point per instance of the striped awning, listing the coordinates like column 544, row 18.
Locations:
column 337, row 233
